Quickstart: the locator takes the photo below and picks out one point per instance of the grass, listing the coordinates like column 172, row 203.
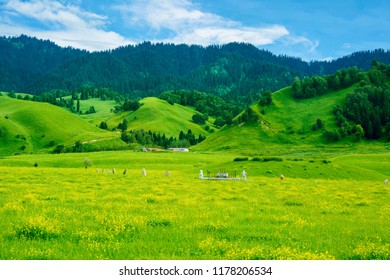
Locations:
column 155, row 115
column 60, row 210
column 333, row 203
column 103, row 110
column 28, row 126
column 159, row 116
column 288, row 121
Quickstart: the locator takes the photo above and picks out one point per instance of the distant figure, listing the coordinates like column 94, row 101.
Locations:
column 124, row 172
column 386, row 181
column 201, row 174
column 167, row 173
column 143, row 171
column 281, row 178
column 243, row 174
column 114, row 170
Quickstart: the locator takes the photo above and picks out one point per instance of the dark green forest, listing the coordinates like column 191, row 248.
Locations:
column 366, row 110
column 238, row 73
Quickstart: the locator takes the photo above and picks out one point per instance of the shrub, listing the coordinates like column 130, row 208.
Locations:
column 12, row 94
column 332, row 135
column 199, row 118
column 266, row 98
column 266, row 159
column 241, row 159
column 51, row 143
column 59, row 149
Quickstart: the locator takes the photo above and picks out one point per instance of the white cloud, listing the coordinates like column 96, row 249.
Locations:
column 309, row 45
column 188, row 24
column 174, row 15
column 66, row 25
column 175, row 21
column 209, row 35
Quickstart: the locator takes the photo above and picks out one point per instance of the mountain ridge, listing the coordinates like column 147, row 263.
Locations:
column 236, row 71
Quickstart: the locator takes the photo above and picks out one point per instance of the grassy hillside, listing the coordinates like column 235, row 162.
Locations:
column 285, row 124
column 103, row 110
column 30, row 126
column 159, row 116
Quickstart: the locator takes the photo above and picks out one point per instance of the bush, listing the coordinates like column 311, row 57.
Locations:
column 199, row 118
column 332, row 135
column 131, row 105
column 266, row 98
column 241, row 159
column 266, row 159
column 12, row 94
column 59, row 149
column 51, row 143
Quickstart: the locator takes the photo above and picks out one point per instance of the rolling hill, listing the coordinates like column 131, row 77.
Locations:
column 155, row 114
column 283, row 125
column 159, row 116
column 28, row 126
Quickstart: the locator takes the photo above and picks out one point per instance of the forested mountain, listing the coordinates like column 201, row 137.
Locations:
column 24, row 61
column 236, row 72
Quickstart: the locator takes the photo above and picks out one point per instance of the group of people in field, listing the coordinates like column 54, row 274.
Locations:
column 113, row 171
column 201, row 175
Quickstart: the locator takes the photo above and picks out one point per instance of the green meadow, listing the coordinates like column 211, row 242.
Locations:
column 336, row 208
column 332, row 204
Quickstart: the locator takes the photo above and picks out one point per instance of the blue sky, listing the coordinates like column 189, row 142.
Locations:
column 307, row 29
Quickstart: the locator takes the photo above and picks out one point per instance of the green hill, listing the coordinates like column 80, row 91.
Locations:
column 283, row 125
column 27, row 126
column 159, row 116
column 104, row 110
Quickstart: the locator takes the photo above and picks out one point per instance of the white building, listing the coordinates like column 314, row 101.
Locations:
column 179, row 149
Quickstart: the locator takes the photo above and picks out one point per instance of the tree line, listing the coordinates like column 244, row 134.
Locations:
column 207, row 104
column 318, row 85
column 72, row 100
column 149, row 138
column 368, row 105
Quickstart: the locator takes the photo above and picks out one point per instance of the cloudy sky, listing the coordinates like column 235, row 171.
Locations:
column 321, row 29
